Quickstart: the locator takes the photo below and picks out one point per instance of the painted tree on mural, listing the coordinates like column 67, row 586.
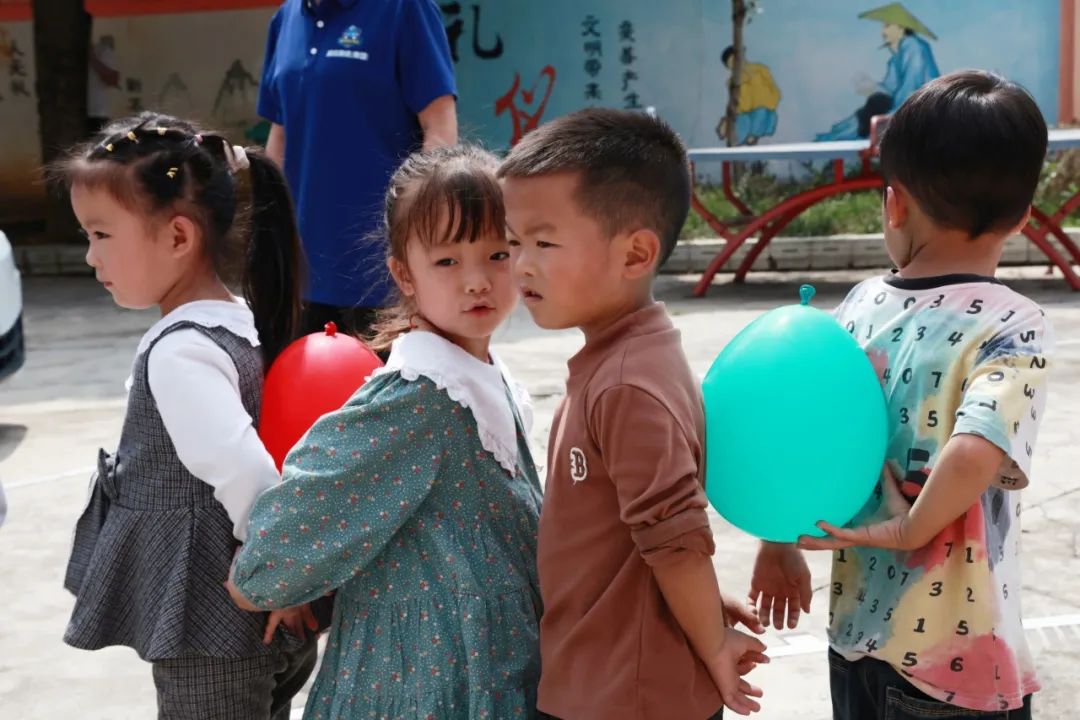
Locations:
column 61, row 57
column 742, row 12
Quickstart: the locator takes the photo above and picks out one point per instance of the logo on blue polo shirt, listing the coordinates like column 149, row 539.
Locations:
column 349, row 42
column 350, row 38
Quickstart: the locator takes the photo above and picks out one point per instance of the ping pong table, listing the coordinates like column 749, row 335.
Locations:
column 767, row 223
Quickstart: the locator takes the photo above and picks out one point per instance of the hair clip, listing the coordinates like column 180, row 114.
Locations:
column 237, row 159
column 132, row 137
column 161, row 131
column 172, row 173
column 109, row 147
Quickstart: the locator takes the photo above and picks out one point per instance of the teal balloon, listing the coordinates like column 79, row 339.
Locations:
column 795, row 425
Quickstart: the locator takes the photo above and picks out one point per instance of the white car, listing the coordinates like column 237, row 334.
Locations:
column 12, row 349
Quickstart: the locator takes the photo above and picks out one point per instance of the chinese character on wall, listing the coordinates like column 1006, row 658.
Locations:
column 594, row 53
column 627, row 57
column 456, row 27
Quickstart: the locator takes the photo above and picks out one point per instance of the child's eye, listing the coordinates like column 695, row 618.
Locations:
column 446, row 262
column 541, row 244
column 513, row 242
column 500, row 256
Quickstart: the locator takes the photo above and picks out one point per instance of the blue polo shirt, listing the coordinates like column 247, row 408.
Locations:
column 346, row 79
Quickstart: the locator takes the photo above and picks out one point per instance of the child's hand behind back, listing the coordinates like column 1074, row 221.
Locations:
column 737, row 612
column 299, row 620
column 780, row 584
column 892, row 533
column 739, row 655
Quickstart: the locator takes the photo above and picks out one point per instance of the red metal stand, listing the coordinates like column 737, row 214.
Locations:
column 769, row 223
column 772, row 221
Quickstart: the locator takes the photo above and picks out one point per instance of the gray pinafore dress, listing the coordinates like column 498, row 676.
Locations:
column 153, row 547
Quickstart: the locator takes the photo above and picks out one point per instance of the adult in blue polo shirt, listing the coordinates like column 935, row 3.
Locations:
column 351, row 88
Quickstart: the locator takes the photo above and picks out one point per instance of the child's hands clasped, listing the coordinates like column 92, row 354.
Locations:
column 739, row 655
column 298, row 620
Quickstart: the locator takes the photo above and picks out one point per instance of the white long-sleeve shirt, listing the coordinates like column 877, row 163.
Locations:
column 196, row 387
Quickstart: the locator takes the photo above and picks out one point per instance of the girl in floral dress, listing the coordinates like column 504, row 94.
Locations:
column 418, row 501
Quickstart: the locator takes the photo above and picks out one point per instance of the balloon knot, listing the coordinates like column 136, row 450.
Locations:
column 331, row 329
column 807, row 292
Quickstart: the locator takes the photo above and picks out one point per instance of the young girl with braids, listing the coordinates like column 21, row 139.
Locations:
column 418, row 501
column 157, row 200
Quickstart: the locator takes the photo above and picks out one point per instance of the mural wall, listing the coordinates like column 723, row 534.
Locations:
column 158, row 66
column 19, row 151
column 813, row 70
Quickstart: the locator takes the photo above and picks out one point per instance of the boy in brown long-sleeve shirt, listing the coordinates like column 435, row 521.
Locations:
column 634, row 622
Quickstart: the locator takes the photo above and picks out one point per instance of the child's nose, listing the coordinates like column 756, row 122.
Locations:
column 523, row 266
column 477, row 282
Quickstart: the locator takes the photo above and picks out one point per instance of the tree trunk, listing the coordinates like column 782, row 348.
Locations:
column 61, row 58
column 738, row 20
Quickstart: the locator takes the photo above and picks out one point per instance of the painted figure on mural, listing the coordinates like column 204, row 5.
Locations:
column 234, row 106
column 758, row 99
column 103, row 77
column 911, row 65
column 7, row 53
column 174, row 98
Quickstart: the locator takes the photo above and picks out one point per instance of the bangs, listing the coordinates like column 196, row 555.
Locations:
column 459, row 203
column 101, row 175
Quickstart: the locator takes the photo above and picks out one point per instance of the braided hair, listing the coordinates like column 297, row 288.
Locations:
column 155, row 164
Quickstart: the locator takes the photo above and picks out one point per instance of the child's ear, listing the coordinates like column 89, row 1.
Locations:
column 641, row 250
column 897, row 201
column 183, row 235
column 400, row 272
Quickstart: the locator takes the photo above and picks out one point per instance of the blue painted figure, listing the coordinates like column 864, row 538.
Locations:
column 911, row 65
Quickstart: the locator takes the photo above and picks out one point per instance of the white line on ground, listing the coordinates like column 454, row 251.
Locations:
column 1052, row 621
column 50, row 478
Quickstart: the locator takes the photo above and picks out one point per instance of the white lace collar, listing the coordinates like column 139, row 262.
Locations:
column 234, row 316
column 476, row 385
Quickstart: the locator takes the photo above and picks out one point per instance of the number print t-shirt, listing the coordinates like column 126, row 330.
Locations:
column 956, row 355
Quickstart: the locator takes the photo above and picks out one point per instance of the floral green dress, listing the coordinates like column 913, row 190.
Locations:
column 418, row 503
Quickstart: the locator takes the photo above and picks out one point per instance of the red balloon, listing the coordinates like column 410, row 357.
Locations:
column 313, row 376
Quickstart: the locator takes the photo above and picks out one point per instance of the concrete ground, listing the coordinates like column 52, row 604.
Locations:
column 67, row 402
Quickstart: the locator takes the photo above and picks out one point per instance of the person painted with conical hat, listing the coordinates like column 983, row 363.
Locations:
column 911, row 65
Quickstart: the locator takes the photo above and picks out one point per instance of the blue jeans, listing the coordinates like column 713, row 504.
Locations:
column 872, row 690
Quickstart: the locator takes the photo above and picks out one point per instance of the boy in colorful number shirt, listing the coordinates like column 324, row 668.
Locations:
column 925, row 599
